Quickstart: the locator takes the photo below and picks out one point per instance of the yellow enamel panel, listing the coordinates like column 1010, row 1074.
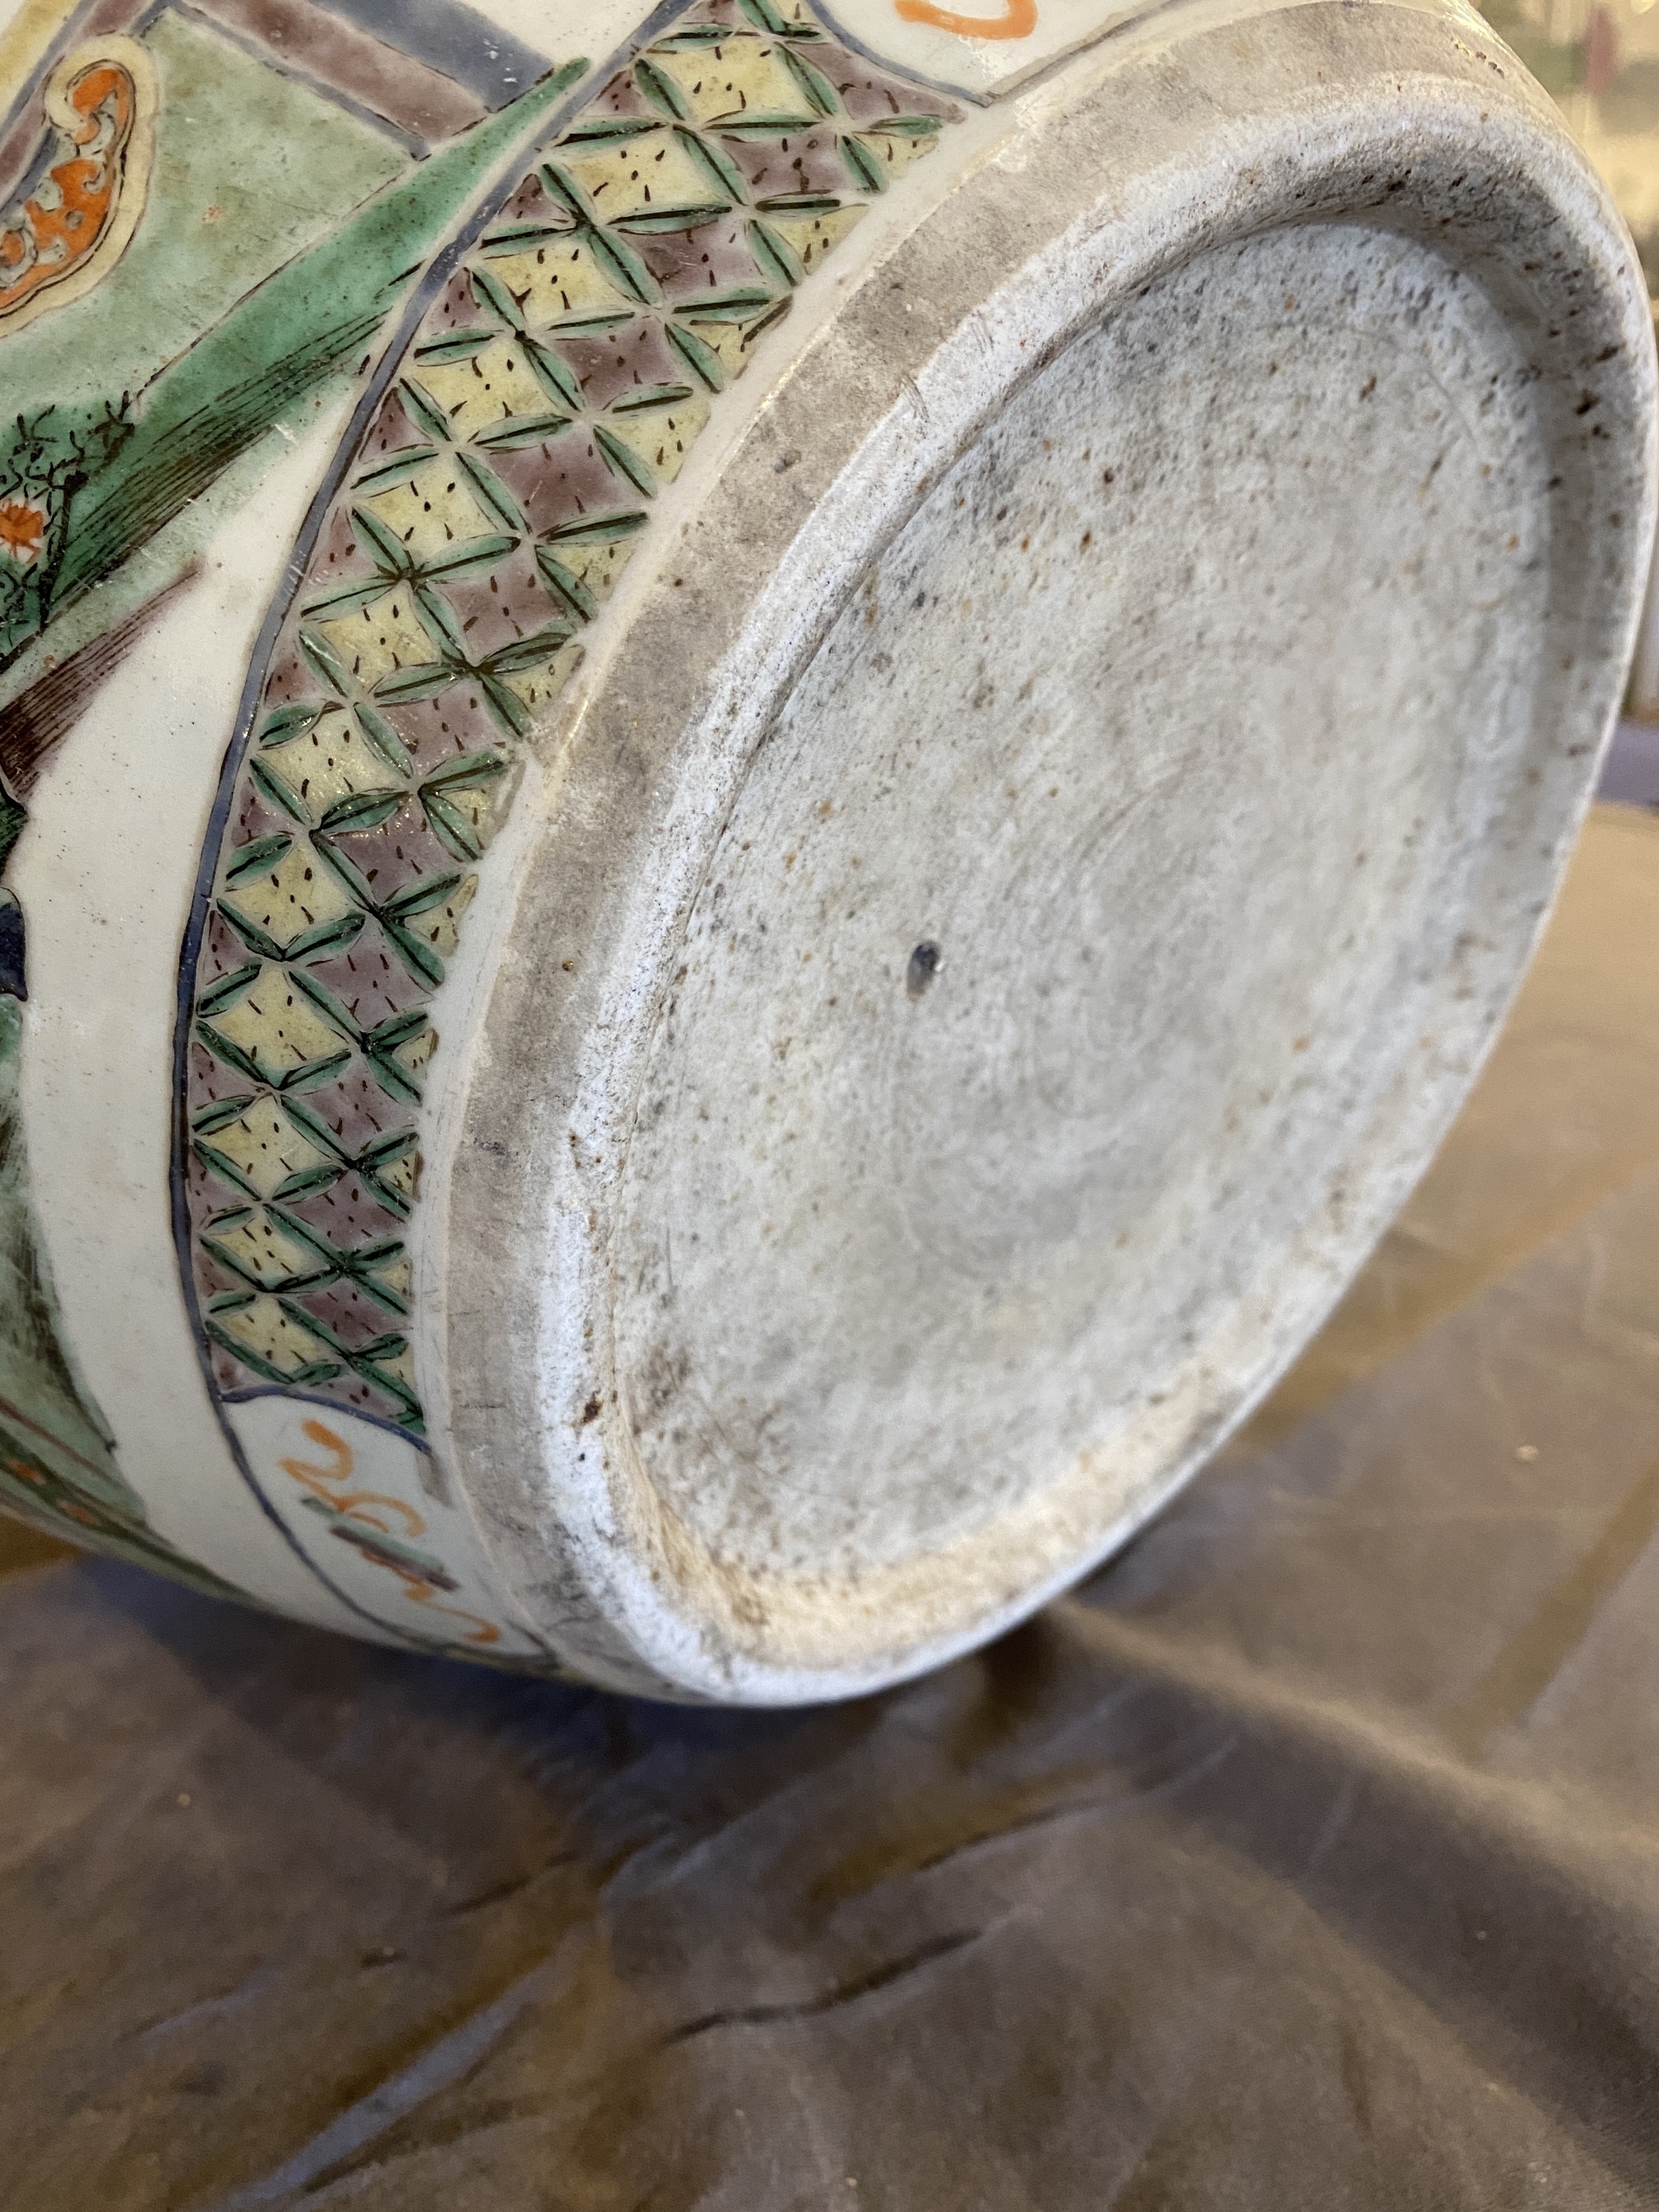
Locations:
column 538, row 687
column 663, row 437
column 265, row 1148
column 299, row 894
column 644, row 176
column 269, row 1334
column 813, row 236
column 261, row 1248
column 475, row 395
column 596, row 568
column 277, row 1029
column 555, row 282
column 439, row 924
column 895, row 152
column 432, row 511
column 377, row 640
column 742, row 76
column 333, row 760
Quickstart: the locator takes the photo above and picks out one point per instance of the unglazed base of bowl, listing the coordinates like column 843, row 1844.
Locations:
column 1030, row 884
column 1081, row 946
column 833, row 919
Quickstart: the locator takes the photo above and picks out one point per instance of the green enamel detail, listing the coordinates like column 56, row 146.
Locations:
column 554, row 388
column 110, row 472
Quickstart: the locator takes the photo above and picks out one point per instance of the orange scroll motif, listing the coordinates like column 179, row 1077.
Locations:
column 1017, row 20
column 75, row 222
column 359, row 1517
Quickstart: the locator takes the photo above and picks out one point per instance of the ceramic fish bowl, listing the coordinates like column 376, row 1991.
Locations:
column 768, row 770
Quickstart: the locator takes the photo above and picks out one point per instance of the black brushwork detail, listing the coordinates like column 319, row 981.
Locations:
column 40, row 717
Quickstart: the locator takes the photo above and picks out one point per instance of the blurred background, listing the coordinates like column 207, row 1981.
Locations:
column 1600, row 60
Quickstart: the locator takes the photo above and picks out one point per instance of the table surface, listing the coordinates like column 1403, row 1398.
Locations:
column 1306, row 1857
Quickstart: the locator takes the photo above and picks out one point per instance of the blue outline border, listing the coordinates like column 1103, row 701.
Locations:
column 244, row 1396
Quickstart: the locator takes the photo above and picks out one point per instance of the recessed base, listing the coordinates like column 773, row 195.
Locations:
column 1040, row 866
column 1170, row 721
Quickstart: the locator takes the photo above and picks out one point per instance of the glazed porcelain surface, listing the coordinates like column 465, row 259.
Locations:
column 766, row 772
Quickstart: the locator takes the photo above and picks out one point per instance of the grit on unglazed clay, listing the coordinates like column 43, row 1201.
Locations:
column 903, row 1274
column 678, row 1532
